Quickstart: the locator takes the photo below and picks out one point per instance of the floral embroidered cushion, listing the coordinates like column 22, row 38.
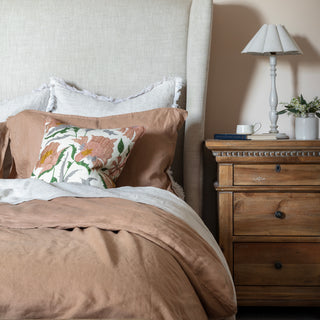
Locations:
column 94, row 157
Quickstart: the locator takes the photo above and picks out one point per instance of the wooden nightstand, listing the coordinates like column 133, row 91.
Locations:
column 269, row 219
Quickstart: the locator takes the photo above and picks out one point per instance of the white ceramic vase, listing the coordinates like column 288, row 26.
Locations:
column 307, row 128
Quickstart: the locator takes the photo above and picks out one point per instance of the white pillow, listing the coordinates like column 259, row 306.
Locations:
column 37, row 100
column 69, row 100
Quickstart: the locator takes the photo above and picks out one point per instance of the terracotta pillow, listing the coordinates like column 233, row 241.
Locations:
column 147, row 165
column 93, row 157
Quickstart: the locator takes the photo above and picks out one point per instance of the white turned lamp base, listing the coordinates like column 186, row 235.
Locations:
column 273, row 99
column 276, row 136
column 282, row 136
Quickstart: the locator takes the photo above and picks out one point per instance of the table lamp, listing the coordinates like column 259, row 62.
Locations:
column 272, row 40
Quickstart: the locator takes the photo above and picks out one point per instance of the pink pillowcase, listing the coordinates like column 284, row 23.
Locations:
column 151, row 157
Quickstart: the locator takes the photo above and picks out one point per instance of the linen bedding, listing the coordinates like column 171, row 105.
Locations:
column 76, row 251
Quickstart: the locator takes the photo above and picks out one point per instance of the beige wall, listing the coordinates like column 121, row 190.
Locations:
column 239, row 85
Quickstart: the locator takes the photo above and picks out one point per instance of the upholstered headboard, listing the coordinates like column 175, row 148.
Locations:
column 114, row 47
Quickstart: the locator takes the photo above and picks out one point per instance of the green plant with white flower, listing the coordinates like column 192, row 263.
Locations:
column 299, row 107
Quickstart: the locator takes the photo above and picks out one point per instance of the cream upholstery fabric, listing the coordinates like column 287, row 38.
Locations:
column 113, row 47
column 199, row 39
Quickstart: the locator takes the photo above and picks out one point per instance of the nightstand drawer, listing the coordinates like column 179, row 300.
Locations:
column 277, row 174
column 276, row 214
column 278, row 264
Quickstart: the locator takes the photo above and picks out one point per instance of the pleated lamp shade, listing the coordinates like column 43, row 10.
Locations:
column 272, row 39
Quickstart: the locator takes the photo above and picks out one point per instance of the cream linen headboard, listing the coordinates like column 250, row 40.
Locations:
column 112, row 47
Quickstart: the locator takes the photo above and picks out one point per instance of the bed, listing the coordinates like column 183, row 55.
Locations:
column 101, row 127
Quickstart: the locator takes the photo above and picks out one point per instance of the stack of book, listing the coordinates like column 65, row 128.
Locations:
column 261, row 136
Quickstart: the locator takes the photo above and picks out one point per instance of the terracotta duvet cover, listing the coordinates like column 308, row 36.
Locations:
column 107, row 257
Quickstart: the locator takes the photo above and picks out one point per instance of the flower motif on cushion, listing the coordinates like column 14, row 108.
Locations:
column 49, row 156
column 93, row 149
column 116, row 167
column 129, row 132
column 79, row 155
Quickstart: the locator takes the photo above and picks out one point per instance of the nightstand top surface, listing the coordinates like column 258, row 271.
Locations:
column 288, row 144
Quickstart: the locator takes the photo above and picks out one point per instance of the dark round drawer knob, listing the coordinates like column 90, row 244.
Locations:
column 279, row 214
column 278, row 168
column 278, row 265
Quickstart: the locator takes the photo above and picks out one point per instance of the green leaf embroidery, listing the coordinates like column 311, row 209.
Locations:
column 58, row 161
column 44, row 172
column 83, row 164
column 76, row 129
column 128, row 152
column 61, row 156
column 54, row 134
column 120, row 146
column 53, row 179
column 74, row 150
column 69, row 164
column 104, row 183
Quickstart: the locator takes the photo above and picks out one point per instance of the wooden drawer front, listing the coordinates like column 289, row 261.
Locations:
column 277, row 214
column 278, row 264
column 281, row 174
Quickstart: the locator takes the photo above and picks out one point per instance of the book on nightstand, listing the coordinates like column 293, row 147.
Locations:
column 268, row 136
column 230, row 136
column 261, row 136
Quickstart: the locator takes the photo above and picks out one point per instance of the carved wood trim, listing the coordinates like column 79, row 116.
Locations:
column 272, row 154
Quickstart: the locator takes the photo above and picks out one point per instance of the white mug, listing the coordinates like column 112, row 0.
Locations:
column 248, row 128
